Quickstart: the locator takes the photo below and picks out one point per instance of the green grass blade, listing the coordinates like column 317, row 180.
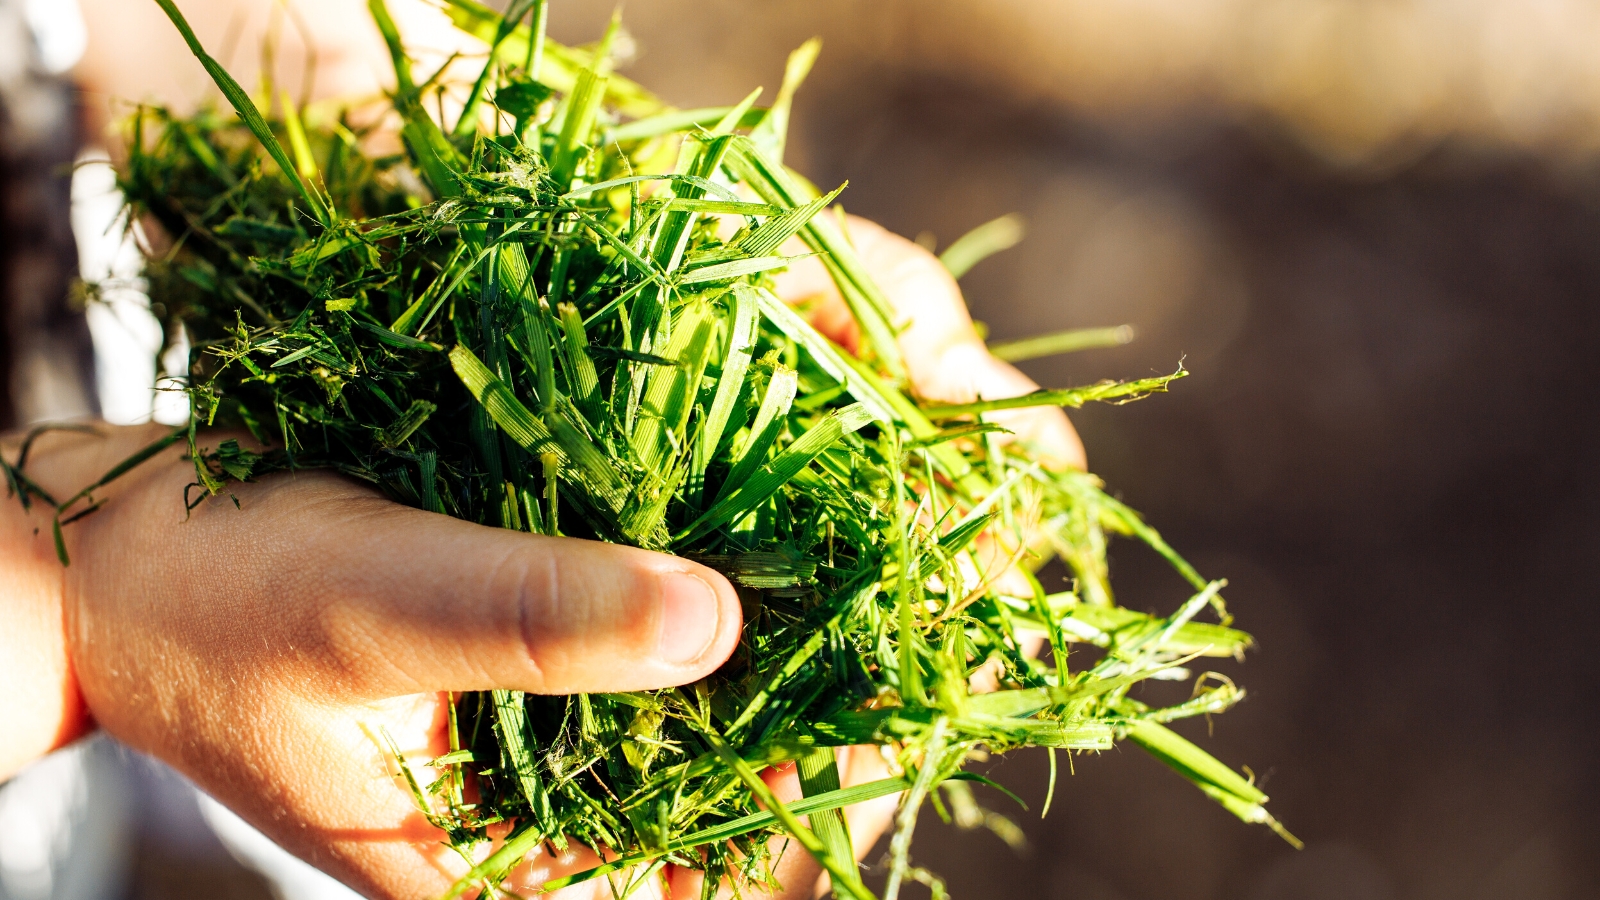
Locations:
column 580, row 368
column 850, row 796
column 1216, row 780
column 556, row 433
column 981, row 243
column 773, row 133
column 536, row 340
column 1190, row 761
column 1104, row 392
column 769, row 478
column 516, row 420
column 738, row 208
column 770, row 236
column 304, row 162
column 598, row 470
column 1069, row 341
column 680, row 120
column 843, row 871
column 1094, row 622
column 734, row 116
column 559, row 66
column 737, row 268
column 670, row 393
column 771, row 418
column 779, row 675
column 251, row 115
column 468, row 123
column 697, row 162
column 819, row 775
column 735, row 364
column 421, row 310
column 133, row 461
column 867, row 302
column 511, row 720
column 827, row 356
column 434, row 152
column 583, row 105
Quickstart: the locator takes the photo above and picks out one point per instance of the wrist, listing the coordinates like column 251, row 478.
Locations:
column 40, row 704
column 40, row 701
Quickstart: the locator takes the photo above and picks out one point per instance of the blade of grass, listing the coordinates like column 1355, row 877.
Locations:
column 1104, row 392
column 850, row 796
column 559, row 65
column 680, row 120
column 241, row 102
column 735, row 363
column 983, row 242
column 866, row 300
column 843, row 871
column 819, row 775
column 304, row 162
column 766, row 480
column 1216, row 780
column 773, row 133
column 1069, row 341
column 771, row 418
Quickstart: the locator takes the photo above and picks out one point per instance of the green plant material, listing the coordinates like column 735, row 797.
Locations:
column 557, row 317
column 983, row 242
column 1070, row 341
column 1103, row 392
column 249, row 113
column 819, row 776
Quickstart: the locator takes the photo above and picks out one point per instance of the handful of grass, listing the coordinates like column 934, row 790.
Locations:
column 553, row 314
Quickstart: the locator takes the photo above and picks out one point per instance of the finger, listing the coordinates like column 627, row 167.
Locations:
column 324, row 783
column 944, row 354
column 409, row 601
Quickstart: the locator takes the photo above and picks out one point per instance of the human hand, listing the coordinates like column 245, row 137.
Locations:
column 249, row 647
column 947, row 362
column 261, row 650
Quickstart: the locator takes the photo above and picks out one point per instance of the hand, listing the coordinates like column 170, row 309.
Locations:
column 947, row 362
column 248, row 647
column 259, row 650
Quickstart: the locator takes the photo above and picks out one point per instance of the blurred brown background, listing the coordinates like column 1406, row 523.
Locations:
column 1370, row 228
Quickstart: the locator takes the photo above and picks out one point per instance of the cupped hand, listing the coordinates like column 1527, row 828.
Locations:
column 263, row 651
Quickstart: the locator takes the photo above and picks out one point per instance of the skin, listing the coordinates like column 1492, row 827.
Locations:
column 259, row 649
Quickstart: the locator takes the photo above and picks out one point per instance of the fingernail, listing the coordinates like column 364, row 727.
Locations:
column 689, row 615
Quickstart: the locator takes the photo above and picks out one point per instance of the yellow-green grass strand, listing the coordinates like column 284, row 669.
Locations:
column 983, row 242
column 1069, row 341
column 241, row 102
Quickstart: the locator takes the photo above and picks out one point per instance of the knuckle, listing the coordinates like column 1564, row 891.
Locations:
column 574, row 600
column 537, row 606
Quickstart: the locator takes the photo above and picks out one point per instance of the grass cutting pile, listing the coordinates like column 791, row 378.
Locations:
column 548, row 307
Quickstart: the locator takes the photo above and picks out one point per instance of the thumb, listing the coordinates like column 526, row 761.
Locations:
column 413, row 601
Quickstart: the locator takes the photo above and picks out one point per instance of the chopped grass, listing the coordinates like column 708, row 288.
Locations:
column 555, row 315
